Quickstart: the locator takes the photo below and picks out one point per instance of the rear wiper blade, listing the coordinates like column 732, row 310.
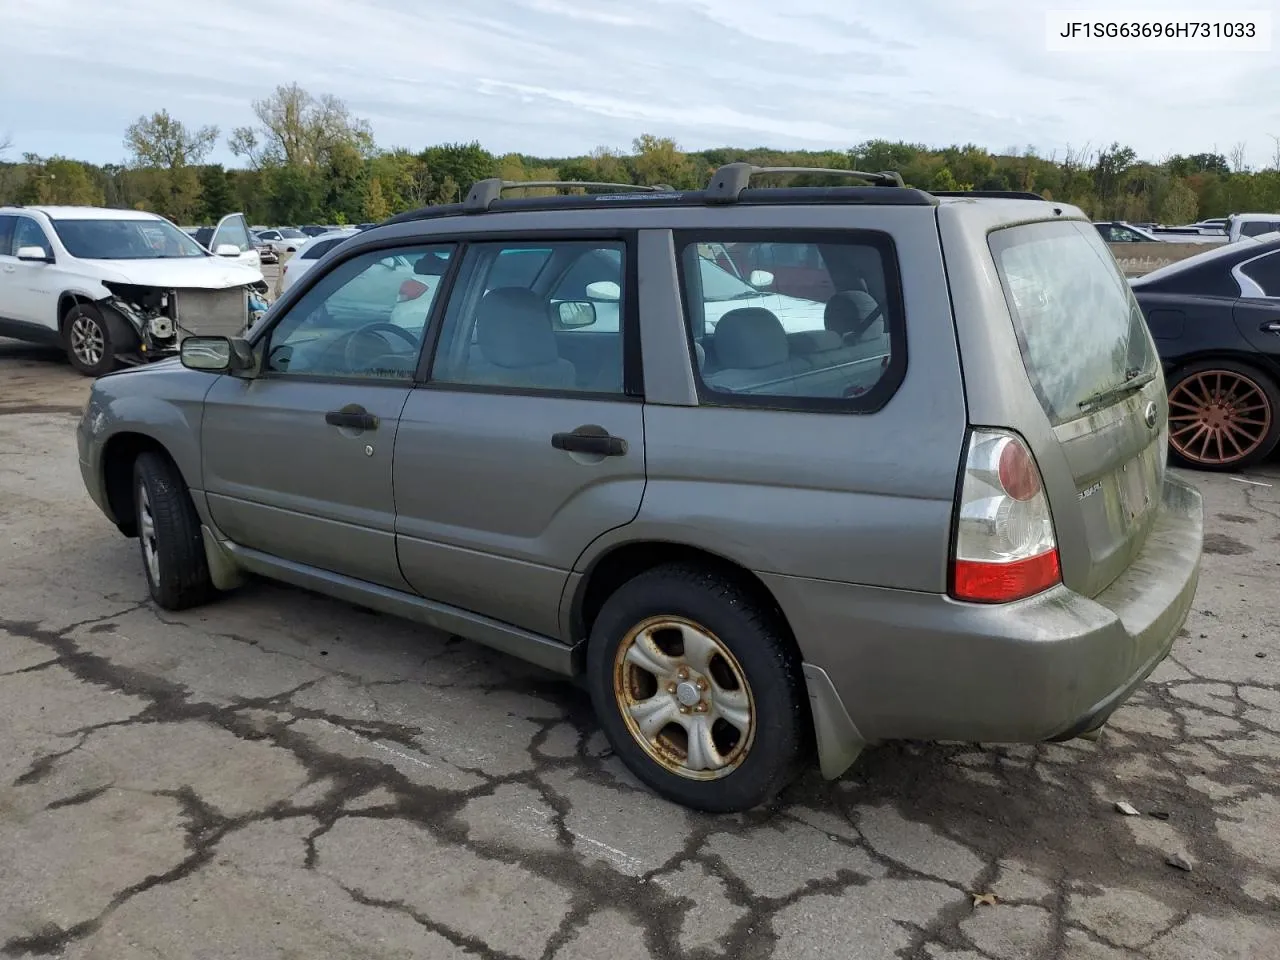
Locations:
column 1134, row 381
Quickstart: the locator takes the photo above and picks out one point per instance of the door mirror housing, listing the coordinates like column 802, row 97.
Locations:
column 226, row 250
column 217, row 354
column 34, row 254
column 605, row 290
column 575, row 314
column 760, row 279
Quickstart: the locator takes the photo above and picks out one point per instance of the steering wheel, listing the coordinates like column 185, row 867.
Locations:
column 374, row 329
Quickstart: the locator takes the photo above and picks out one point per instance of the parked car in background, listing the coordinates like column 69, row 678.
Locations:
column 1215, row 318
column 752, row 541
column 1117, row 231
column 1250, row 226
column 266, row 253
column 230, row 237
column 114, row 286
column 305, row 255
column 282, row 238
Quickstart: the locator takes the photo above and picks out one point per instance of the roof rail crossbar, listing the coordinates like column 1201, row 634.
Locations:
column 483, row 193
column 728, row 182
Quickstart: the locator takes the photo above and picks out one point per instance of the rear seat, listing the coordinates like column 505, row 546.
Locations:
column 854, row 332
column 753, row 354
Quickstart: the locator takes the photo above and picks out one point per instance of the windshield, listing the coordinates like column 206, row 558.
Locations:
column 719, row 284
column 125, row 240
column 292, row 234
column 1079, row 326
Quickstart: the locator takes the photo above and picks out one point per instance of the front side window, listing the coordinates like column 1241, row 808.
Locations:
column 28, row 233
column 365, row 318
column 1079, row 326
column 1265, row 272
column 757, row 345
column 536, row 317
column 125, row 240
column 6, row 235
column 1257, row 228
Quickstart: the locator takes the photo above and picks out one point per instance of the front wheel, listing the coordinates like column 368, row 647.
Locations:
column 87, row 338
column 1223, row 415
column 169, row 534
column 698, row 688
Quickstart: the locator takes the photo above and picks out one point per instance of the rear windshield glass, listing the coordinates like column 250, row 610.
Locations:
column 1080, row 329
column 318, row 249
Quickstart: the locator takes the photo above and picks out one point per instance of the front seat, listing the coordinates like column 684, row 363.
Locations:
column 515, row 345
column 850, row 313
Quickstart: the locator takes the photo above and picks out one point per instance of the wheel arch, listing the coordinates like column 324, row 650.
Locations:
column 119, row 455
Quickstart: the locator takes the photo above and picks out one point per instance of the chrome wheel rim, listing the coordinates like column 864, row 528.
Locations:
column 147, row 534
column 684, row 698
column 1218, row 417
column 87, row 341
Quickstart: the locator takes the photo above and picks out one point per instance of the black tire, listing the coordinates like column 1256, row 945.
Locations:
column 85, row 318
column 731, row 613
column 182, row 579
column 1268, row 396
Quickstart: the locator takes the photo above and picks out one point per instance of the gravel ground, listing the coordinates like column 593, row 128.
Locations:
column 278, row 775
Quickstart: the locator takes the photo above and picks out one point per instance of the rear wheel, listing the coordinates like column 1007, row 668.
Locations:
column 1223, row 415
column 698, row 689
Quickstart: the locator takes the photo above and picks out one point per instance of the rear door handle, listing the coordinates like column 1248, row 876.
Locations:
column 1271, row 326
column 590, row 439
column 357, row 419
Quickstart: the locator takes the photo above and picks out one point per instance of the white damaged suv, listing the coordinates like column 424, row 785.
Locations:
column 113, row 287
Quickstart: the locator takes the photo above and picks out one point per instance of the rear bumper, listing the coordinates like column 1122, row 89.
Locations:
column 924, row 666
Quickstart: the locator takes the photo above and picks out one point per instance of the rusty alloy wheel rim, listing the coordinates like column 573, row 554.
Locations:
column 1218, row 417
column 684, row 698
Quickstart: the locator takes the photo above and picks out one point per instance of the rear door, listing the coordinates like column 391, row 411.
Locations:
column 1257, row 313
column 512, row 458
column 1093, row 368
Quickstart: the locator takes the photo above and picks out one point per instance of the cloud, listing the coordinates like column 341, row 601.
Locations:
column 558, row 77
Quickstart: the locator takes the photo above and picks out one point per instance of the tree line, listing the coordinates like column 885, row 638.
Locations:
column 308, row 159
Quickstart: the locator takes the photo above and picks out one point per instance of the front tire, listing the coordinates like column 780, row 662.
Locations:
column 699, row 689
column 173, row 557
column 86, row 336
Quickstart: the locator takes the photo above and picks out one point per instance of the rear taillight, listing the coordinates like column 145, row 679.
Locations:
column 1005, row 546
column 411, row 290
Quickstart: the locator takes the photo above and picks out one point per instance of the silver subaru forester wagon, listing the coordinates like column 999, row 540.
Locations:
column 777, row 470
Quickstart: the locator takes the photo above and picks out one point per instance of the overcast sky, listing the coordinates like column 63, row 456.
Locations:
column 559, row 77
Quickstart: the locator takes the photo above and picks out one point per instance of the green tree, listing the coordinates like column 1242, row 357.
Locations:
column 162, row 141
column 450, row 169
column 660, row 160
column 216, row 197
column 1180, row 203
column 375, row 203
column 944, row 179
column 59, row 180
column 299, row 129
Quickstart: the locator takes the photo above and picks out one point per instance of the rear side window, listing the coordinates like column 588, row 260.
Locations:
column 1080, row 329
column 318, row 249
column 828, row 338
column 1265, row 272
column 1257, row 228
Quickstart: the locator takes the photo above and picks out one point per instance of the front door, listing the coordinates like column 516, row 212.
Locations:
column 233, row 230
column 30, row 296
column 297, row 461
column 527, row 441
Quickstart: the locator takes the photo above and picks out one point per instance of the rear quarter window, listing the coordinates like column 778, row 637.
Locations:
column 1079, row 327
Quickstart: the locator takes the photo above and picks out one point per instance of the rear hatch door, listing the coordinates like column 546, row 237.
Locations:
column 1093, row 367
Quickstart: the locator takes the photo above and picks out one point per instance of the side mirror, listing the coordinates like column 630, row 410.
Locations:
column 604, row 290
column 216, row 354
column 760, row 279
column 226, row 250
column 574, row 314
column 34, row 254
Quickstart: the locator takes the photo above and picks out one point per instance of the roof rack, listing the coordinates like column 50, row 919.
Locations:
column 728, row 182
column 484, row 193
column 994, row 194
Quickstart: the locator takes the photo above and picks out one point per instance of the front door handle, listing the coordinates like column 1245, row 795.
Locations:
column 354, row 418
column 590, row 439
column 1271, row 326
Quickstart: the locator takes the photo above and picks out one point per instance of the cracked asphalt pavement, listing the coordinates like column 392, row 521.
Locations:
column 278, row 775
